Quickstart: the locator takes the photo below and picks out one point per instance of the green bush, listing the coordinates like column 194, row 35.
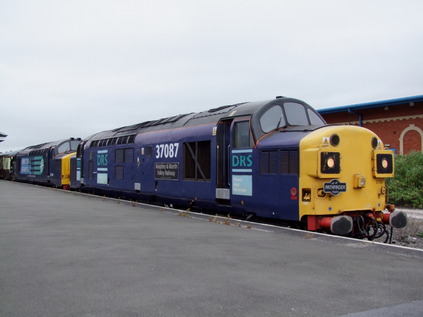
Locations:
column 406, row 188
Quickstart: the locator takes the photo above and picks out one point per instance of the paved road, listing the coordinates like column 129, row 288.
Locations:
column 63, row 254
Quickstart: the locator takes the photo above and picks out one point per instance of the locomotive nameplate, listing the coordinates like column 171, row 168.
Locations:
column 334, row 187
column 168, row 171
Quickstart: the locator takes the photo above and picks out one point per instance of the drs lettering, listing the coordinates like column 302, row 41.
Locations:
column 102, row 159
column 169, row 150
column 242, row 160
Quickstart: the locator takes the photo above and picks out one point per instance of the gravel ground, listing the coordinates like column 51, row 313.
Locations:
column 412, row 235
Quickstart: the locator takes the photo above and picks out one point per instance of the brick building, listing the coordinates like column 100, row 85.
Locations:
column 398, row 122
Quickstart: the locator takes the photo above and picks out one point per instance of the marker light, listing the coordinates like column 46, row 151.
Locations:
column 359, row 181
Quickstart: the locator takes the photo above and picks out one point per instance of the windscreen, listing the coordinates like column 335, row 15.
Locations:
column 288, row 114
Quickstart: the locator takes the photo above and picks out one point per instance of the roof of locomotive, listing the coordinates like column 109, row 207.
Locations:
column 211, row 116
column 43, row 146
column 40, row 146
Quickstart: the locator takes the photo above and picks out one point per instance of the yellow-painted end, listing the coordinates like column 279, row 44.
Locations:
column 343, row 169
column 66, row 169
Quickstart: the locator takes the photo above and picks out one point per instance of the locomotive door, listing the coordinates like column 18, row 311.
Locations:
column 223, row 139
column 234, row 159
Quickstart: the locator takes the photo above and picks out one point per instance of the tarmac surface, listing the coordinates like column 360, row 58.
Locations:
column 67, row 254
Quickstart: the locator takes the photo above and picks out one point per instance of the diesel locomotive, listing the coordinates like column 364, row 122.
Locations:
column 46, row 163
column 272, row 159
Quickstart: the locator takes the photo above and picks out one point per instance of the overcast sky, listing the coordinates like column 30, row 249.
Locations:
column 77, row 67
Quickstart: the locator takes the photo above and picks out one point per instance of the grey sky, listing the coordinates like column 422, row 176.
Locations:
column 73, row 68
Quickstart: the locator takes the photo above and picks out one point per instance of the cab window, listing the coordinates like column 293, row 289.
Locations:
column 288, row 114
column 74, row 145
column 295, row 114
column 242, row 135
column 63, row 147
column 314, row 118
column 272, row 119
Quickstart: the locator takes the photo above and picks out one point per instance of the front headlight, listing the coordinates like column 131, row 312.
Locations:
column 383, row 164
column 330, row 162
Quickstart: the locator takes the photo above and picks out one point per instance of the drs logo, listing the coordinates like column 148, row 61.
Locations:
column 102, row 159
column 242, row 159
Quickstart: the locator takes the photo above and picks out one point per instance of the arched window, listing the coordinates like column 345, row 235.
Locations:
column 408, row 140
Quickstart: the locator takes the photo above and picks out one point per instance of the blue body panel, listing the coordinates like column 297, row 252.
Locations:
column 156, row 172
column 42, row 163
column 275, row 194
column 151, row 153
column 34, row 168
column 75, row 172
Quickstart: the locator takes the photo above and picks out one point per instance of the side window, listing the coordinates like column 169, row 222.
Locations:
column 242, row 137
column 118, row 156
column 124, row 156
column 119, row 172
column 197, row 160
column 148, row 151
column 129, row 155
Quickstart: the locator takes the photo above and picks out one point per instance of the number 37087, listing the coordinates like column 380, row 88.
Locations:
column 168, row 150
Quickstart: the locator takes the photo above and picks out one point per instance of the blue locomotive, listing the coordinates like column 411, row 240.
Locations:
column 272, row 159
column 46, row 163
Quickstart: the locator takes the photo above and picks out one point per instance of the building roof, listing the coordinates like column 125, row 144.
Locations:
column 372, row 104
column 2, row 136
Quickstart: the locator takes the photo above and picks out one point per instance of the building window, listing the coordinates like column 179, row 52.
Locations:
column 418, row 139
